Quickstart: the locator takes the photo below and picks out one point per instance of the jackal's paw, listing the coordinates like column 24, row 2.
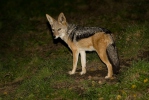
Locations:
column 83, row 72
column 108, row 77
column 71, row 73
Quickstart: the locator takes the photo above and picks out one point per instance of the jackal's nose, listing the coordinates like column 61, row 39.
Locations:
column 54, row 37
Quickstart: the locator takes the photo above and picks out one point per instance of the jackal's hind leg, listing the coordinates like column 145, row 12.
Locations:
column 103, row 56
column 83, row 62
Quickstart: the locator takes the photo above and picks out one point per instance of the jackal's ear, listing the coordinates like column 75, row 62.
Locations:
column 50, row 19
column 61, row 18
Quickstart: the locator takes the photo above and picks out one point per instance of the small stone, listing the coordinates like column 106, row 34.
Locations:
column 89, row 77
column 100, row 82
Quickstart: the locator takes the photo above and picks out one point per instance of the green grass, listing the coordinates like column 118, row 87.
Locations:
column 35, row 67
column 58, row 85
column 132, row 40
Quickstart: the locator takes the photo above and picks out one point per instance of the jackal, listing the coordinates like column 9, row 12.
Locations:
column 81, row 39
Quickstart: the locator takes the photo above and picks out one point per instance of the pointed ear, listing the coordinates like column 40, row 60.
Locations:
column 50, row 19
column 61, row 18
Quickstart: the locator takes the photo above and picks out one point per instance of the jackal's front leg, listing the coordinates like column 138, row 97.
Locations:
column 75, row 61
column 83, row 62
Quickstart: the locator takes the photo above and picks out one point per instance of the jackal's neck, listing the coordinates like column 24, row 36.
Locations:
column 70, row 31
column 71, row 27
column 65, row 37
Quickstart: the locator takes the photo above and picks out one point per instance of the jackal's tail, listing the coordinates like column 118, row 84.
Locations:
column 113, row 57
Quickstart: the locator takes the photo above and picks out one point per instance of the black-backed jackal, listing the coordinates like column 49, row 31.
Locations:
column 82, row 39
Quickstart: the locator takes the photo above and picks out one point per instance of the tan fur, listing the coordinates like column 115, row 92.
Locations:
column 98, row 42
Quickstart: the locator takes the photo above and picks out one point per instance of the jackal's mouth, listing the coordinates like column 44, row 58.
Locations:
column 55, row 37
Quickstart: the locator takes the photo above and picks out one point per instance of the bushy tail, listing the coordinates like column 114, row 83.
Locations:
column 113, row 58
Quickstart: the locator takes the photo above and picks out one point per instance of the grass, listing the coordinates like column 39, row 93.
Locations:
column 134, row 41
column 34, row 66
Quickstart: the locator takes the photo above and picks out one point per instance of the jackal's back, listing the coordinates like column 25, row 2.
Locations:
column 78, row 32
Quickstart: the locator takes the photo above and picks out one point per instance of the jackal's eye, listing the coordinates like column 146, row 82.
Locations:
column 52, row 30
column 59, row 29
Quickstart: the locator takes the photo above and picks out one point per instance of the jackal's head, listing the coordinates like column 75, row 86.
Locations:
column 59, row 27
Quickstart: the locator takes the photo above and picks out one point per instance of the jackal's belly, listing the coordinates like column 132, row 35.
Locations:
column 90, row 48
